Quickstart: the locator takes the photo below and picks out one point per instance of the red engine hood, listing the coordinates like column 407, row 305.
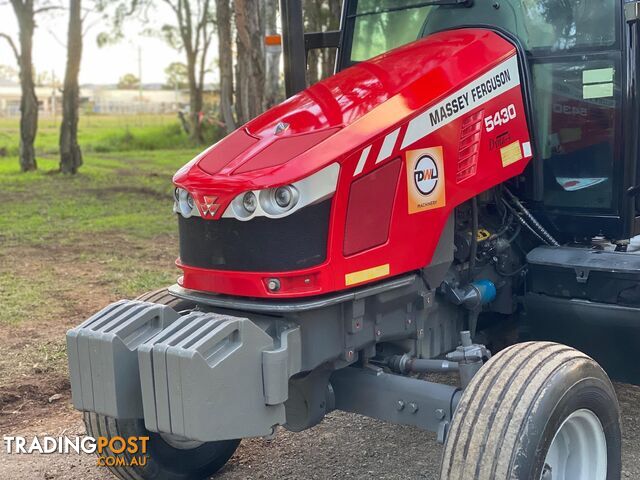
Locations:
column 335, row 117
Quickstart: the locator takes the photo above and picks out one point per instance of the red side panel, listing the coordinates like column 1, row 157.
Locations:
column 371, row 202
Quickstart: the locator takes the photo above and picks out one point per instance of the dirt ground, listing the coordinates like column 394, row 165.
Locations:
column 343, row 446
column 35, row 400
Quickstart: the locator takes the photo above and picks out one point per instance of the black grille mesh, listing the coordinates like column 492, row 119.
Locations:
column 262, row 244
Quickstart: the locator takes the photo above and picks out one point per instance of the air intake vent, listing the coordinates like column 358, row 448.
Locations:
column 470, row 136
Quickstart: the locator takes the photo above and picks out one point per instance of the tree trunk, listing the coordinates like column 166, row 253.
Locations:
column 333, row 23
column 28, row 102
column 272, row 87
column 225, row 63
column 312, row 12
column 70, row 153
column 195, row 100
column 250, row 81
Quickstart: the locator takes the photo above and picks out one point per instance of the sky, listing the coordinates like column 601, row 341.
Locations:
column 99, row 64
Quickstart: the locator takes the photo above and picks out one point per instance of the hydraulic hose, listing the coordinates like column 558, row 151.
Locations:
column 522, row 222
column 407, row 364
column 474, row 237
column 541, row 230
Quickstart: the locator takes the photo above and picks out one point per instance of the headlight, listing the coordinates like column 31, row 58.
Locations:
column 244, row 206
column 282, row 201
column 184, row 204
column 276, row 201
column 285, row 197
column 249, row 202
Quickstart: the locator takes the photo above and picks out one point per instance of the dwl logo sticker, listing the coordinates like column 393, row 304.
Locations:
column 425, row 179
column 425, row 175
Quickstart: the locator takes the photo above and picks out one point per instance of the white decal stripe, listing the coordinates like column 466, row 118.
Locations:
column 362, row 161
column 466, row 99
column 526, row 149
column 387, row 145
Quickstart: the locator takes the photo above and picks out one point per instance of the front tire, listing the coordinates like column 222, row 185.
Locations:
column 168, row 458
column 536, row 410
column 164, row 460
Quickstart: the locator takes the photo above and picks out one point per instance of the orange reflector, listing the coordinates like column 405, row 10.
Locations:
column 273, row 40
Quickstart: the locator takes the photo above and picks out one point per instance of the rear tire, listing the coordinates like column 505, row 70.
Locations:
column 167, row 458
column 528, row 400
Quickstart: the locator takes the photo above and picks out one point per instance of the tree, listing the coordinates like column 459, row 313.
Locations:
column 272, row 86
column 191, row 31
column 8, row 73
column 250, row 75
column 43, row 78
column 26, row 12
column 313, row 14
column 333, row 23
column 225, row 63
column 70, row 153
column 177, row 75
column 321, row 15
column 128, row 82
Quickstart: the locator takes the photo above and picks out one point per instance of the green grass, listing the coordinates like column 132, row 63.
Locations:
column 20, row 294
column 135, row 279
column 104, row 134
column 130, row 193
column 107, row 231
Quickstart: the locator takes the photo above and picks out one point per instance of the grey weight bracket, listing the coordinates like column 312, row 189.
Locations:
column 103, row 362
column 279, row 364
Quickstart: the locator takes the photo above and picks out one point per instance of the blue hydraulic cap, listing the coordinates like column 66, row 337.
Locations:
column 472, row 295
column 486, row 290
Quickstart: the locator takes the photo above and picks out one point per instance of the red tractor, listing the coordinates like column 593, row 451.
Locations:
column 465, row 181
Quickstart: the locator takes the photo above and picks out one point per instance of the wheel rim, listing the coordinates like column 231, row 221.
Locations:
column 578, row 449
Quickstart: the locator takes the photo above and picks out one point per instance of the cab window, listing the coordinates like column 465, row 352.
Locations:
column 374, row 27
column 567, row 24
column 577, row 113
column 376, row 33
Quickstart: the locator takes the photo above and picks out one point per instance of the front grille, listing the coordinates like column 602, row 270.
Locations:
column 261, row 245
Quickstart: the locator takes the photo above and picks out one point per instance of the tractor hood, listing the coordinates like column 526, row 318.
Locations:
column 337, row 117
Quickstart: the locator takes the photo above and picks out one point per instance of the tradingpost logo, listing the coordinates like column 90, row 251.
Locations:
column 109, row 450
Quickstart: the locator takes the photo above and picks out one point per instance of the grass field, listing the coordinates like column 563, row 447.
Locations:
column 107, row 232
column 103, row 134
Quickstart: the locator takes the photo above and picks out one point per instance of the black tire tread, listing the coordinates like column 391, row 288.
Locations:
column 161, row 296
column 99, row 425
column 485, row 430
